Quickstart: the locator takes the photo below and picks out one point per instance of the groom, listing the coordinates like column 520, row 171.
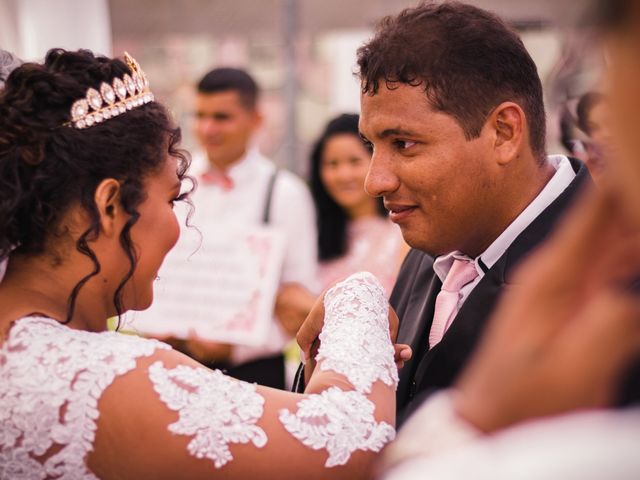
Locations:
column 452, row 104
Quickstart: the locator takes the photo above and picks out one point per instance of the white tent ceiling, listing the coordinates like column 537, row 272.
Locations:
column 223, row 17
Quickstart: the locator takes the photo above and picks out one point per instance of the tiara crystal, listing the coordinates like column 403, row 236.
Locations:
column 123, row 94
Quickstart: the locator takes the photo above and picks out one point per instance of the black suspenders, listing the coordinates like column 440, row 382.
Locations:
column 266, row 215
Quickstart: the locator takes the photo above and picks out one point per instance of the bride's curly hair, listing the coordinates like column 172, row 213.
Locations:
column 47, row 166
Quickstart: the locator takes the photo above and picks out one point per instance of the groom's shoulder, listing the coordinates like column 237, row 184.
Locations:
column 414, row 261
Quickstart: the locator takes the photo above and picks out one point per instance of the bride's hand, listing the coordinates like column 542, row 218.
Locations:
column 308, row 333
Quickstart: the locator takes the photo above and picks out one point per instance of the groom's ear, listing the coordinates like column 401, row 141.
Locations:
column 107, row 201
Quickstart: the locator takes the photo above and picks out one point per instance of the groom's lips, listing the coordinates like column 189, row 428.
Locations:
column 399, row 212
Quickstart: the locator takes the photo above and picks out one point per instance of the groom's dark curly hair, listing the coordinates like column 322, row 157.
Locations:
column 467, row 60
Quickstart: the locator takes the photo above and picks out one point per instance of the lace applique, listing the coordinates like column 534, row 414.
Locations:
column 355, row 340
column 51, row 380
column 215, row 409
column 340, row 422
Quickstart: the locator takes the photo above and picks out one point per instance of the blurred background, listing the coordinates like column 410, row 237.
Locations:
column 302, row 52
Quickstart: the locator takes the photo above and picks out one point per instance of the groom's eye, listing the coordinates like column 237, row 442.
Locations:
column 403, row 144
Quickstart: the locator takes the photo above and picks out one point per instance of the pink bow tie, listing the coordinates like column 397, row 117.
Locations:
column 214, row 177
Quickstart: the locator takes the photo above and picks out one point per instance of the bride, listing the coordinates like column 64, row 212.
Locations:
column 89, row 172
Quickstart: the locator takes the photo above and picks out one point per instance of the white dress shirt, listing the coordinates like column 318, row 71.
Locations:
column 292, row 212
column 559, row 182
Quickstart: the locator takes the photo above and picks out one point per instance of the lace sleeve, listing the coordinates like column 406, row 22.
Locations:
column 217, row 412
column 51, row 379
column 213, row 409
column 238, row 428
column 86, row 405
column 355, row 340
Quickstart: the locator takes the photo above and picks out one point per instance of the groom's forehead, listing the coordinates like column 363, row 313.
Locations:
column 398, row 111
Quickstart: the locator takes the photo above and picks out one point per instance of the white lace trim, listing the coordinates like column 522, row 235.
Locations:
column 355, row 339
column 215, row 409
column 338, row 421
column 51, row 380
column 354, row 342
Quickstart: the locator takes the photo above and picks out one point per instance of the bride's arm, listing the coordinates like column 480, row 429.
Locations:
column 173, row 418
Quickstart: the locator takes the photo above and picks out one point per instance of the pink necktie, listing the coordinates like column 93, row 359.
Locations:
column 462, row 273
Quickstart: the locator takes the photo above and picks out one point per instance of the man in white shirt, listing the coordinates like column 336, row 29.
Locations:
column 242, row 187
column 457, row 122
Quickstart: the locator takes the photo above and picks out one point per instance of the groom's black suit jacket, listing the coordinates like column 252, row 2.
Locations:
column 415, row 292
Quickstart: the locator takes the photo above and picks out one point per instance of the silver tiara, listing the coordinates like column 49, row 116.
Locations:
column 123, row 94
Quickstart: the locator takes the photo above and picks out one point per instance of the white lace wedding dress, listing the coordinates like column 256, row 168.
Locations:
column 73, row 403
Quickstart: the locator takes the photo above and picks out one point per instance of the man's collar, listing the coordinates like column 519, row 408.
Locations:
column 545, row 223
column 561, row 180
column 553, row 189
column 443, row 263
column 242, row 168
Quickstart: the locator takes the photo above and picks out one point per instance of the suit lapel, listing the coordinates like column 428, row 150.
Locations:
column 540, row 229
column 420, row 307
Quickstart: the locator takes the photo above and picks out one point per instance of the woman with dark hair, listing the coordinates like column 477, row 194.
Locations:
column 353, row 230
column 89, row 173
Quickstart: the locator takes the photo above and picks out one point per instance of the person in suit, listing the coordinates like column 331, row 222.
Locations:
column 458, row 135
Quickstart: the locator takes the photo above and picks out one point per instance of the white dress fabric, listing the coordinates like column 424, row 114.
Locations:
column 590, row 445
column 52, row 378
column 339, row 422
column 354, row 342
column 196, row 394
